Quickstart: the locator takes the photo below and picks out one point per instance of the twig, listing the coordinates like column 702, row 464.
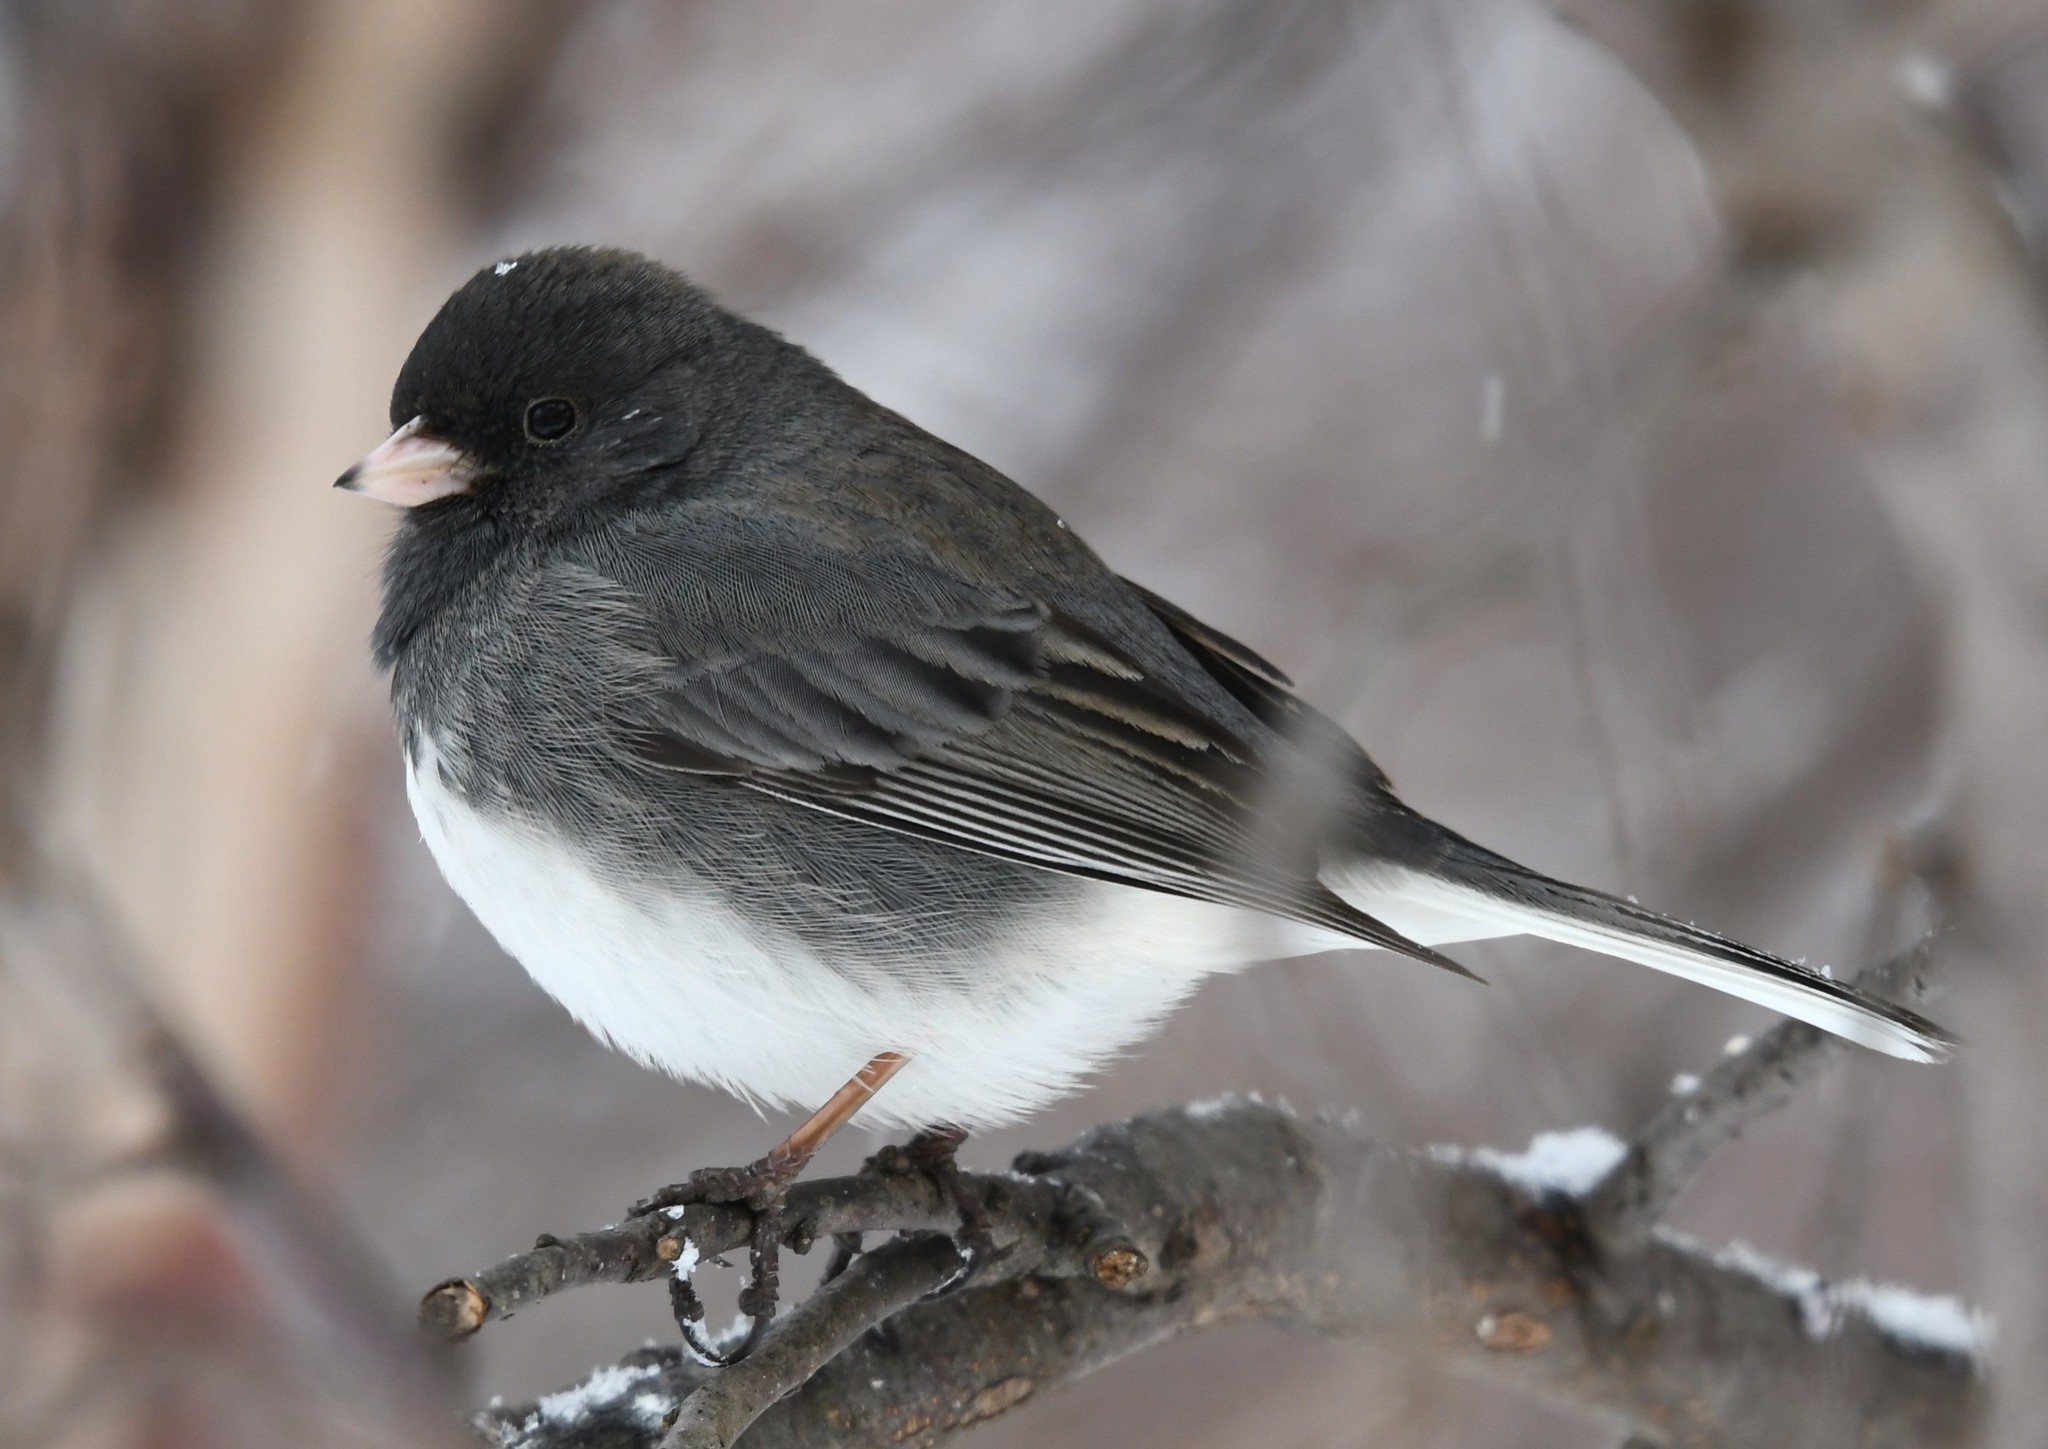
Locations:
column 642, row 1249
column 1753, row 1083
column 877, row 1287
column 1048, row 1225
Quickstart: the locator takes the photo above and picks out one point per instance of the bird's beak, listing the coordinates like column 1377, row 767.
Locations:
column 409, row 468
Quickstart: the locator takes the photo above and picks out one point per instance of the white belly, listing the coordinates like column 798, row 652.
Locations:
column 669, row 975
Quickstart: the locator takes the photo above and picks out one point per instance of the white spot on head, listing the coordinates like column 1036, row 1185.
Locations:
column 1735, row 1046
column 1684, row 1084
column 503, row 267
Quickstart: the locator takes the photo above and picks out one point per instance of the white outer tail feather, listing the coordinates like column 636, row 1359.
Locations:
column 1435, row 911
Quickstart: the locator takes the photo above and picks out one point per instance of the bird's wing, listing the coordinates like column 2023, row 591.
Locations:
column 1260, row 687
column 873, row 685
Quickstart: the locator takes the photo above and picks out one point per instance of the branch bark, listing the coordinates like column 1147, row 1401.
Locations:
column 875, row 1289
column 1246, row 1211
column 1040, row 1224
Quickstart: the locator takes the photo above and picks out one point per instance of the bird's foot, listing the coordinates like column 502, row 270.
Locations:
column 761, row 1188
column 759, row 1182
column 934, row 1153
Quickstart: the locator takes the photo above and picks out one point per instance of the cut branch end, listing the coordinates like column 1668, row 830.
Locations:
column 453, row 1310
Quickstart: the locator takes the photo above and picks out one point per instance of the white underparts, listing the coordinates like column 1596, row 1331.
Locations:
column 667, row 973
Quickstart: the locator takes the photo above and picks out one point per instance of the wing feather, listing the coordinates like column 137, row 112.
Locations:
column 909, row 700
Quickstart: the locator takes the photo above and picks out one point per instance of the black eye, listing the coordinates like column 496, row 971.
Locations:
column 549, row 419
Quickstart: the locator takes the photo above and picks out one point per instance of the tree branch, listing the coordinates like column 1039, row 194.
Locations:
column 1041, row 1225
column 1245, row 1211
column 1749, row 1084
column 878, row 1286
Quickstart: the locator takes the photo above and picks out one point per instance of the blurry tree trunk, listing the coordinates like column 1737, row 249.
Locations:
column 222, row 226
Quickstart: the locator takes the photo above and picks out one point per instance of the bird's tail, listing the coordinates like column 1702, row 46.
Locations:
column 1455, row 890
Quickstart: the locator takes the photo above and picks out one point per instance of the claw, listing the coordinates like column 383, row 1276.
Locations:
column 936, row 1153
column 759, row 1188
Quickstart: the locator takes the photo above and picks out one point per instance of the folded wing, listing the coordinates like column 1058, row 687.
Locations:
column 896, row 695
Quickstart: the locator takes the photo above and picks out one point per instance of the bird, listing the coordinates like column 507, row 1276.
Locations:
column 796, row 751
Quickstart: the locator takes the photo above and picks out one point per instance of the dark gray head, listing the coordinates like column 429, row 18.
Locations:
column 550, row 389
column 545, row 378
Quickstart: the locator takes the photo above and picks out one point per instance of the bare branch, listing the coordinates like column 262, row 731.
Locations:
column 1042, row 1225
column 1750, row 1084
column 878, row 1286
column 1245, row 1211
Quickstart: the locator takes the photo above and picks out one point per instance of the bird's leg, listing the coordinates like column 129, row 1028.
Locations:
column 760, row 1187
column 788, row 1158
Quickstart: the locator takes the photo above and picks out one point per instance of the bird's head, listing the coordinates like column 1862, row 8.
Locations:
column 548, row 381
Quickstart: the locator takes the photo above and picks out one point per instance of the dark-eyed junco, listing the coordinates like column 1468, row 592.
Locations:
column 792, row 749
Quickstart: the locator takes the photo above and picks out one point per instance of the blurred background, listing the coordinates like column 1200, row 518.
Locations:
column 1628, row 418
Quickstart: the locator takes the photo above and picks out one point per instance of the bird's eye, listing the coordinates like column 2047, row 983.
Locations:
column 550, row 419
